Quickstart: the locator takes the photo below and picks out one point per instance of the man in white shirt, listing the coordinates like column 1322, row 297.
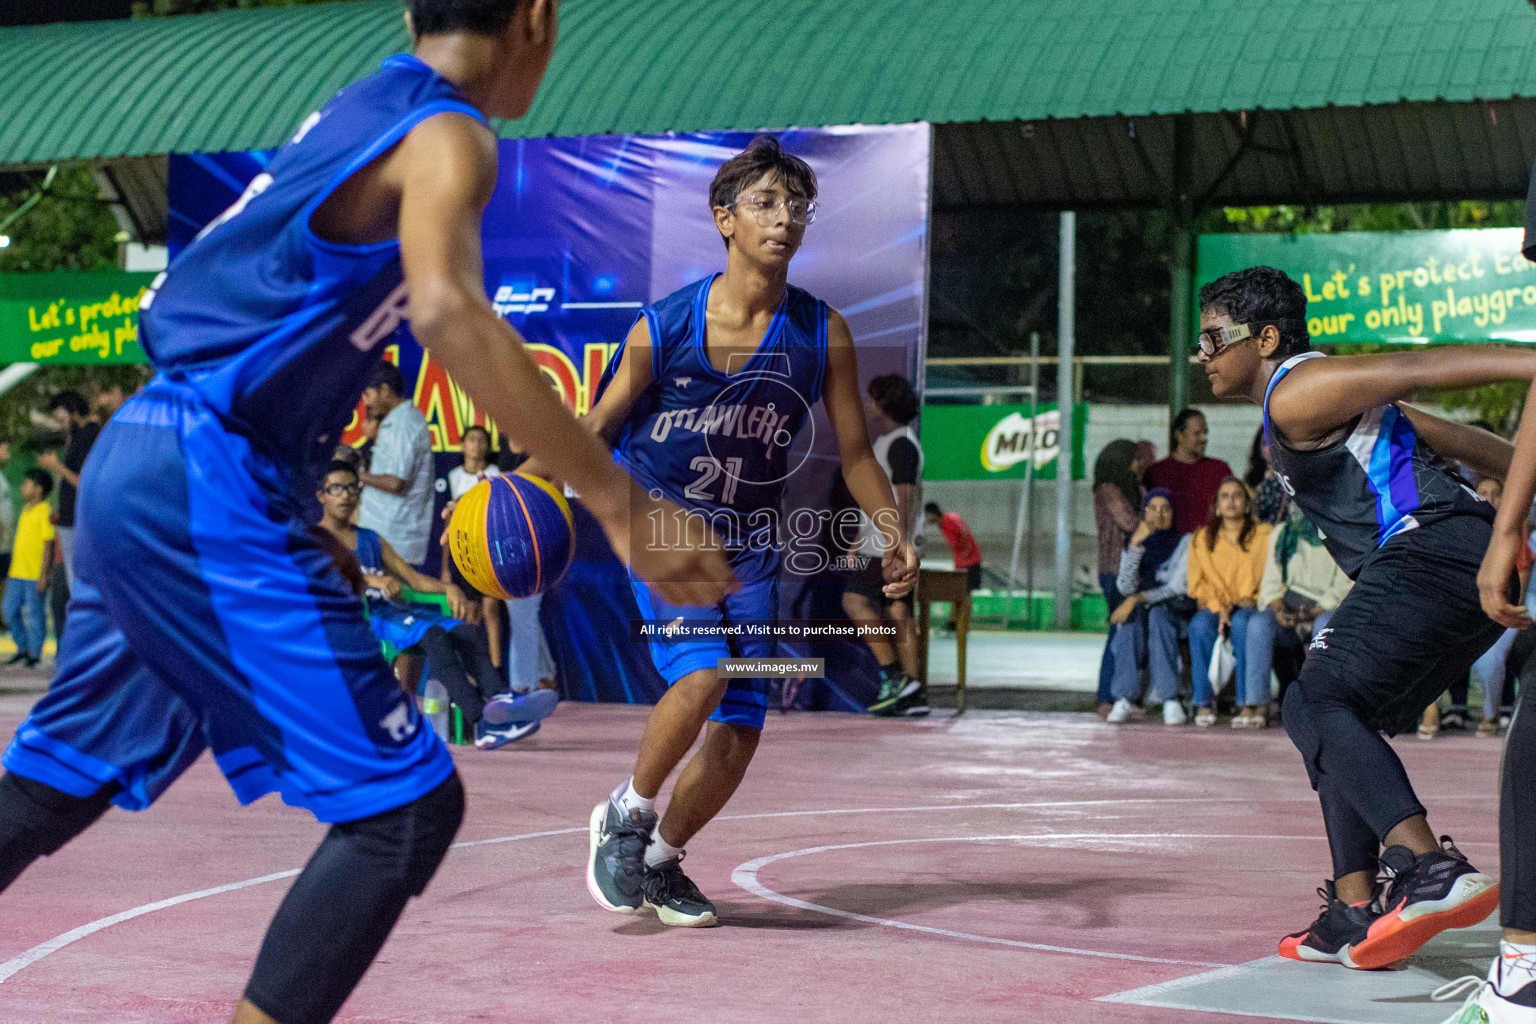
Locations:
column 397, row 486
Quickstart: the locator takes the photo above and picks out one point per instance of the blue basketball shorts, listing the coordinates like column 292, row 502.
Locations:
column 746, row 700
column 205, row 616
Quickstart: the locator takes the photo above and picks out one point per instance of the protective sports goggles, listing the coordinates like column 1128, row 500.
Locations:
column 1215, row 340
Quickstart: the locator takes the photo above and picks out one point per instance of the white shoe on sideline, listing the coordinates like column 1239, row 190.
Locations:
column 1484, row 1004
column 1173, row 712
column 1119, row 713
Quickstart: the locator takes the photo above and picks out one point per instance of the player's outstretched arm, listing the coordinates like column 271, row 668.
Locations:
column 1320, row 395
column 1482, row 451
column 630, row 379
column 866, row 480
column 1509, row 525
column 446, row 169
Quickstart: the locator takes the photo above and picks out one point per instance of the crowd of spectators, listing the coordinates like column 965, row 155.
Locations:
column 1211, row 580
column 1214, row 581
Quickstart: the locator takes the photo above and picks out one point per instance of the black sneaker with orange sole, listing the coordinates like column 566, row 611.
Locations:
column 1424, row 896
column 1332, row 936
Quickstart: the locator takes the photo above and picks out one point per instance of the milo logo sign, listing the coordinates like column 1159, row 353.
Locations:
column 1016, row 437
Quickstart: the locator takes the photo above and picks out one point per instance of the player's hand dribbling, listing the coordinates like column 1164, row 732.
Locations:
column 696, row 574
column 899, row 568
column 1494, row 577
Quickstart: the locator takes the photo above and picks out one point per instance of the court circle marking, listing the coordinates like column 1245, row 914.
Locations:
column 745, row 876
column 9, row 968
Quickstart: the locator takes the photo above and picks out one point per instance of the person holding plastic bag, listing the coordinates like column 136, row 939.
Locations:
column 1226, row 565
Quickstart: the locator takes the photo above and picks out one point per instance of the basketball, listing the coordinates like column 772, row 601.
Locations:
column 512, row 535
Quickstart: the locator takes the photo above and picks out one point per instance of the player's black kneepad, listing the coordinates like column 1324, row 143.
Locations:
column 415, row 837
column 49, row 816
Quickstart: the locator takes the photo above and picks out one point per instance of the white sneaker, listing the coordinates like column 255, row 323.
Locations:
column 1241, row 720
column 1119, row 713
column 1173, row 712
column 1484, row 1004
column 1205, row 717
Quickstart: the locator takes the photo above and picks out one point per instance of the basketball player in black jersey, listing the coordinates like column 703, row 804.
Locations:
column 1371, row 473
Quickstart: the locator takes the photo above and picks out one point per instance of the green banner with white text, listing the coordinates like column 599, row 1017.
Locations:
column 71, row 317
column 1398, row 287
column 994, row 442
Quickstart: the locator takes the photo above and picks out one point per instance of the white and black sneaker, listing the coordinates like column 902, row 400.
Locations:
column 616, row 844
column 674, row 897
column 1506, row 996
column 915, row 703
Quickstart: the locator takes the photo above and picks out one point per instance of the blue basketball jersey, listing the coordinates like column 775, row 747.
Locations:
column 719, row 442
column 272, row 325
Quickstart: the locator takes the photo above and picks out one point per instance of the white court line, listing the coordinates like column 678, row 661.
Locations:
column 1147, row 995
column 745, row 877
column 53, row 945
column 57, row 943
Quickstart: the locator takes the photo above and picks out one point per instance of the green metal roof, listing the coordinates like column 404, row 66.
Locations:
column 244, row 79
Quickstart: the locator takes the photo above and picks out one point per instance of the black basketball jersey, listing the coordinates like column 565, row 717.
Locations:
column 1377, row 481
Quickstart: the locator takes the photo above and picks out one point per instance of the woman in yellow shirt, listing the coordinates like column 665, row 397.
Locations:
column 1226, row 564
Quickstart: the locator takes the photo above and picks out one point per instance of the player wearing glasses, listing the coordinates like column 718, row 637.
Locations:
column 702, row 402
column 1372, row 473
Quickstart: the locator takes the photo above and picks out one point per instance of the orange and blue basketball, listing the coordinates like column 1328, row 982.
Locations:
column 512, row 535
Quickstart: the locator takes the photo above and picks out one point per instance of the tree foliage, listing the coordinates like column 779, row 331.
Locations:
column 1496, row 404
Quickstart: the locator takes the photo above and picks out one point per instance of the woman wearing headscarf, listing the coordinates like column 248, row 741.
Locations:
column 1301, row 587
column 1152, row 576
column 1116, row 499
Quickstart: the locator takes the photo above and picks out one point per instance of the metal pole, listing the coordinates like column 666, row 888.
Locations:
column 15, row 374
column 1029, row 478
column 1182, row 270
column 1066, row 327
column 1021, row 518
column 1178, row 320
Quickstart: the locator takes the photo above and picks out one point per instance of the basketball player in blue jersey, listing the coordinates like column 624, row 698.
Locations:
column 702, row 402
column 206, row 615
column 1372, row 473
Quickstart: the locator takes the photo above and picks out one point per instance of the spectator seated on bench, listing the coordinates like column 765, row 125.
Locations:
column 1301, row 588
column 454, row 645
column 1150, row 616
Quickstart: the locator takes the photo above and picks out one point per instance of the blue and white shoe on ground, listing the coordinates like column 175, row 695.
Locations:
column 519, row 708
column 492, row 737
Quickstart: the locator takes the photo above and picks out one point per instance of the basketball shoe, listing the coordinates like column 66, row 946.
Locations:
column 616, row 844
column 1424, row 896
column 674, row 897
column 1337, row 929
column 1506, row 996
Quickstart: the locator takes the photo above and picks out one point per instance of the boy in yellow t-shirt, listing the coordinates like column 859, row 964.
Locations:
column 31, row 558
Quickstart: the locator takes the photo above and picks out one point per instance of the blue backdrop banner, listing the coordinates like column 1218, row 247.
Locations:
column 580, row 234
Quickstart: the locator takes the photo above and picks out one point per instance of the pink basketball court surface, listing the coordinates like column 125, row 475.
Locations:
column 1001, row 867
